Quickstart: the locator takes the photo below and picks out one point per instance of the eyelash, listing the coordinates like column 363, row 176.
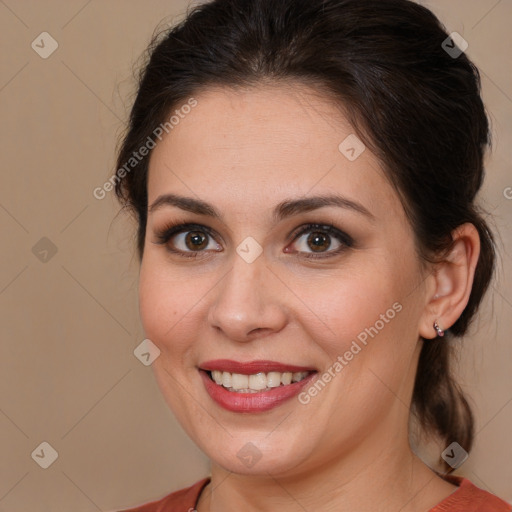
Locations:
column 163, row 236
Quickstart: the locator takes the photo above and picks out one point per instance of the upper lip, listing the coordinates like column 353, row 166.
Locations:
column 252, row 367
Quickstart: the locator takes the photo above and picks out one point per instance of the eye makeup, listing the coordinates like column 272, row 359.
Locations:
column 317, row 232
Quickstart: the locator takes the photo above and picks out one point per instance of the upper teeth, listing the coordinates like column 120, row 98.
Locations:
column 256, row 382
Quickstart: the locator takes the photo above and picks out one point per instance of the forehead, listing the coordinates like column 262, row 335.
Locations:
column 253, row 147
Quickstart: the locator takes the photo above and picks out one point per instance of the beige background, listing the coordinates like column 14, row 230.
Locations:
column 69, row 325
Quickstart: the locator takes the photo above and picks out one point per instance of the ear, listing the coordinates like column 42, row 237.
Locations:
column 450, row 283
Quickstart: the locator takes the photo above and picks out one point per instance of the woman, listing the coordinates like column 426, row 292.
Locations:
column 303, row 174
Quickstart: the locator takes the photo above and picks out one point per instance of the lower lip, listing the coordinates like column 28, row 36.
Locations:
column 252, row 402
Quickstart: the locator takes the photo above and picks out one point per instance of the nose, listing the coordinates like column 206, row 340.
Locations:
column 248, row 302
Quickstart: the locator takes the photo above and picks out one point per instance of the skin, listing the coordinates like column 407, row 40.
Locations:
column 244, row 152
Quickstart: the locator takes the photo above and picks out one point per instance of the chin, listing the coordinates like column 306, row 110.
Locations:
column 258, row 454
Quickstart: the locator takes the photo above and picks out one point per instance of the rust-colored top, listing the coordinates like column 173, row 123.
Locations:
column 467, row 498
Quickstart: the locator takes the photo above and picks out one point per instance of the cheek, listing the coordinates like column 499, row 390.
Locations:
column 369, row 319
column 351, row 304
column 156, row 306
column 166, row 306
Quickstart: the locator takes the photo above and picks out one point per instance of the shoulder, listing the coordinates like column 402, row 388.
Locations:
column 470, row 498
column 183, row 500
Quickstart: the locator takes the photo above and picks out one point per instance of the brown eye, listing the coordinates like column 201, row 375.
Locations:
column 324, row 240
column 195, row 240
column 318, row 241
column 192, row 241
column 187, row 239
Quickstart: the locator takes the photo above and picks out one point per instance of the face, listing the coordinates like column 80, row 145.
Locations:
column 267, row 283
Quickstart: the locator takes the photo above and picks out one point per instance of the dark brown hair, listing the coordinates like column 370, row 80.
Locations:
column 417, row 107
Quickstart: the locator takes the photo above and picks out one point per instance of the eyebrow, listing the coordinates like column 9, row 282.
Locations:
column 283, row 210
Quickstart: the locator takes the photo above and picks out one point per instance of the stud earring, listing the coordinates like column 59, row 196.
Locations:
column 438, row 329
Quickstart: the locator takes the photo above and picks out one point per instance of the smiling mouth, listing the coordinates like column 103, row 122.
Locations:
column 253, row 386
column 257, row 382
